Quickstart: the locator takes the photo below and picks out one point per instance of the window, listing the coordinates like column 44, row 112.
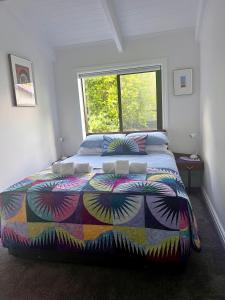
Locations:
column 123, row 100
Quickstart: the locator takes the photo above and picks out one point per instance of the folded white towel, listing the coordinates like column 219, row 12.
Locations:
column 108, row 167
column 140, row 168
column 56, row 167
column 122, row 167
column 67, row 169
column 83, row 168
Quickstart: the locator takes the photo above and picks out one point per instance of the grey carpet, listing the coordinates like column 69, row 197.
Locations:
column 203, row 278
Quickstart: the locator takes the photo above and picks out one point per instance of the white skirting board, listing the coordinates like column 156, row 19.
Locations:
column 215, row 217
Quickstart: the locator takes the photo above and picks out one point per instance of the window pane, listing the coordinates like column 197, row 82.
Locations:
column 139, row 101
column 101, row 102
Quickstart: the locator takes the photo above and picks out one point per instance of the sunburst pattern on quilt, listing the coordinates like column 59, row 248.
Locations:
column 166, row 210
column 167, row 178
column 53, row 206
column 10, row 204
column 111, row 208
column 71, row 184
column 144, row 187
column 47, row 185
column 102, row 182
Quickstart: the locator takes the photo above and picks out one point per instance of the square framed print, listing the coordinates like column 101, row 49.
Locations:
column 23, row 82
column 182, row 82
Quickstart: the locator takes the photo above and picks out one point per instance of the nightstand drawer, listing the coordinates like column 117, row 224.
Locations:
column 192, row 166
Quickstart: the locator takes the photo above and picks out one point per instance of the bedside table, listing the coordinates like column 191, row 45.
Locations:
column 188, row 166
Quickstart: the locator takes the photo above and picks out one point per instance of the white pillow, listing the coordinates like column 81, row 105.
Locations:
column 154, row 148
column 89, row 151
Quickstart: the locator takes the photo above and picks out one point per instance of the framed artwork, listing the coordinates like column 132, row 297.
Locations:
column 22, row 79
column 182, row 82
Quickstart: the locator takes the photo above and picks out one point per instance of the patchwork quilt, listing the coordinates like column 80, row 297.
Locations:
column 146, row 215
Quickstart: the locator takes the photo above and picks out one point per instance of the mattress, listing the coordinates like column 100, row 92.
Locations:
column 157, row 159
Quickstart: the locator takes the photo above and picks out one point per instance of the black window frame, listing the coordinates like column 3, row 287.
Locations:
column 158, row 104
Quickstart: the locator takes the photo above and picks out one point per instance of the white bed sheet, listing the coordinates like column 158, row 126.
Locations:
column 157, row 159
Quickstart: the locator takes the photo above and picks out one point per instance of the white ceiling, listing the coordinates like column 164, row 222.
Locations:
column 68, row 22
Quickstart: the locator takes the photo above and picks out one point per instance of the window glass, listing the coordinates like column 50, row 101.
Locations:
column 139, row 101
column 123, row 102
column 101, row 104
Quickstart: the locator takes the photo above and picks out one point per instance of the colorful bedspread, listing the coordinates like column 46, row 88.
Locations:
column 146, row 215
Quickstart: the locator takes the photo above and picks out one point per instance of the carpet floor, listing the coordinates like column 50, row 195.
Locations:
column 203, row 278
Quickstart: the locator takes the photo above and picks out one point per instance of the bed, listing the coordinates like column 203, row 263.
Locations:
column 147, row 216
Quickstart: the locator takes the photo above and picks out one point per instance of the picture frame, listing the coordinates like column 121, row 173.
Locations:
column 22, row 81
column 182, row 82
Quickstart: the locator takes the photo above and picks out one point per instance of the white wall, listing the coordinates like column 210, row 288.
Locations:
column 212, row 53
column 180, row 50
column 27, row 134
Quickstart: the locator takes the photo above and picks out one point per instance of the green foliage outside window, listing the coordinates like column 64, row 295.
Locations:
column 138, row 102
column 102, row 104
column 138, row 96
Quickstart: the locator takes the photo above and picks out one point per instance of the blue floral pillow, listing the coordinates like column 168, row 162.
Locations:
column 124, row 145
